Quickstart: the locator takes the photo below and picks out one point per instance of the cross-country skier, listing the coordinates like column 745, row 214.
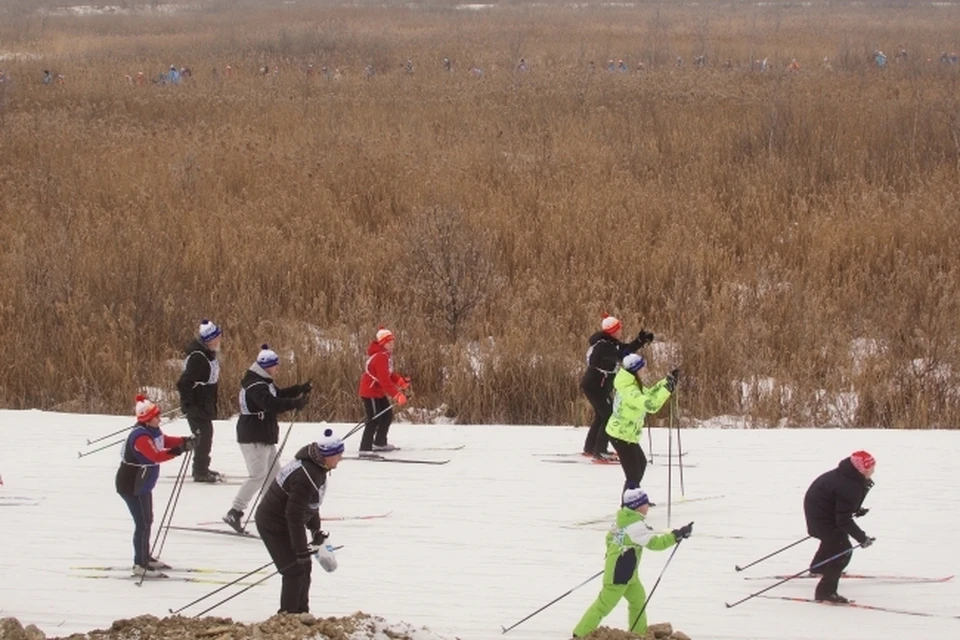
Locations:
column 830, row 505
column 258, row 431
column 198, row 395
column 378, row 385
column 291, row 506
column 626, row 541
column 631, row 404
column 146, row 447
column 603, row 360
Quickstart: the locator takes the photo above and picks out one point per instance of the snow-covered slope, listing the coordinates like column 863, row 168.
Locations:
column 489, row 537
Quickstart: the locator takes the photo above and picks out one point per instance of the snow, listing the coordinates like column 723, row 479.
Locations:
column 488, row 538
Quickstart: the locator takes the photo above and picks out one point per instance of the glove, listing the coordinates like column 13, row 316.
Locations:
column 303, row 557
column 400, row 399
column 672, row 378
column 404, row 383
column 305, row 388
column 861, row 512
column 866, row 543
column 683, row 532
column 299, row 403
column 644, row 338
column 189, row 443
column 319, row 537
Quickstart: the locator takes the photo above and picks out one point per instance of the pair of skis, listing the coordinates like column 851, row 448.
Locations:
column 189, row 575
column 203, row 527
column 856, row 605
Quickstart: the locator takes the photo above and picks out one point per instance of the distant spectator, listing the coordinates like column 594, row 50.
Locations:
column 173, row 77
column 522, row 65
column 447, row 65
column 879, row 59
column 794, row 66
column 47, row 77
column 622, row 66
column 610, row 65
column 902, row 56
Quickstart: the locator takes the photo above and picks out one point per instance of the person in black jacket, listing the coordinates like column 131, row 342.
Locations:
column 258, row 430
column 291, row 506
column 830, row 506
column 198, row 396
column 603, row 359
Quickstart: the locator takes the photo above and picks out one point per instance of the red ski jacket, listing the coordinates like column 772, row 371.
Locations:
column 378, row 379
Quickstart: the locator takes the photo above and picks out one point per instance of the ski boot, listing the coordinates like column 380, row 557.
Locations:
column 234, row 518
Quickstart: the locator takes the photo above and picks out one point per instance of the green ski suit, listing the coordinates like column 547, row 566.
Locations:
column 625, row 543
column 631, row 405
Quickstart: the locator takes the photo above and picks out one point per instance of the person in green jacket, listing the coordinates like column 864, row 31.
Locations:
column 631, row 404
column 621, row 579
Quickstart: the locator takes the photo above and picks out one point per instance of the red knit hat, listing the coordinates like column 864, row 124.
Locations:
column 862, row 461
column 384, row 336
column 146, row 409
column 609, row 324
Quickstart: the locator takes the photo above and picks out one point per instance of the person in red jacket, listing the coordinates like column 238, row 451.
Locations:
column 378, row 385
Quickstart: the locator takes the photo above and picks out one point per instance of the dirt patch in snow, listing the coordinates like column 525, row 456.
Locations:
column 359, row 626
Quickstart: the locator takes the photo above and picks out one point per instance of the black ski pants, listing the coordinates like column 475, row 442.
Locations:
column 202, row 428
column 602, row 404
column 141, row 508
column 830, row 572
column 376, row 427
column 632, row 460
column 295, row 586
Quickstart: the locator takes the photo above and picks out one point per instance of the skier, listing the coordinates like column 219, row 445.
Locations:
column 626, row 541
column 376, row 384
column 630, row 406
column 831, row 503
column 146, row 447
column 257, row 428
column 198, row 395
column 290, row 506
column 603, row 360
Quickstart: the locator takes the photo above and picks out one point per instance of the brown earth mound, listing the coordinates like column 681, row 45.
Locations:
column 279, row 627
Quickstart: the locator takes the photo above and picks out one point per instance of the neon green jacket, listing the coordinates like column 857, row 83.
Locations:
column 631, row 405
column 625, row 544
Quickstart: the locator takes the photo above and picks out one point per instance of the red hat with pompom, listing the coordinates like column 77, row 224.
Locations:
column 146, row 409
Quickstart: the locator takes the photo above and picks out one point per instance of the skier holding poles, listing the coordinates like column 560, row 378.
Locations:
column 830, row 505
column 146, row 447
column 603, row 359
column 621, row 579
column 632, row 403
column 289, row 507
column 198, row 395
column 258, row 431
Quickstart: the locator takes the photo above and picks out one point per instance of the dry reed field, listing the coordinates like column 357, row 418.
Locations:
column 791, row 237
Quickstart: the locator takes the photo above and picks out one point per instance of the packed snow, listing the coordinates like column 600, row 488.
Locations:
column 490, row 537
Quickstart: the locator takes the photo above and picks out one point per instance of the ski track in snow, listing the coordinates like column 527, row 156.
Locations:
column 485, row 540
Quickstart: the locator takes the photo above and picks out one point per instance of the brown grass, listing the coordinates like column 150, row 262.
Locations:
column 791, row 237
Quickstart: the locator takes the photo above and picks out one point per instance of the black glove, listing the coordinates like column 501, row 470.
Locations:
column 643, row 339
column 683, row 532
column 303, row 389
column 319, row 537
column 861, row 512
column 866, row 543
column 672, row 378
column 303, row 557
column 189, row 443
column 300, row 403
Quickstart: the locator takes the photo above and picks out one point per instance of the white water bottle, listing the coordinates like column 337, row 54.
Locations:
column 326, row 557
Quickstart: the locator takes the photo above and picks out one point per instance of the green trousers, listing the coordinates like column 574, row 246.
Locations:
column 609, row 596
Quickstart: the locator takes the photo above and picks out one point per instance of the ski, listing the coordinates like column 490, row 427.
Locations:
column 211, row 570
column 856, row 605
column 859, row 576
column 584, row 455
column 459, row 447
column 163, row 577
column 582, row 460
column 379, row 458
column 223, row 480
column 373, row 516
column 217, row 531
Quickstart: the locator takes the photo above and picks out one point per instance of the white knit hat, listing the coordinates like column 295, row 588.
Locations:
column 267, row 357
column 384, row 335
column 635, row 498
column 609, row 324
column 634, row 362
column 208, row 331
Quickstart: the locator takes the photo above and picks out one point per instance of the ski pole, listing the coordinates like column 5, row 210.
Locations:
column 245, row 589
column 552, row 602
column 171, row 412
column 177, row 485
column 106, row 446
column 656, row 584
column 267, row 478
column 675, row 404
column 650, row 442
column 669, row 474
column 796, row 575
column 219, row 589
column 175, row 498
column 770, row 555
column 377, row 415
